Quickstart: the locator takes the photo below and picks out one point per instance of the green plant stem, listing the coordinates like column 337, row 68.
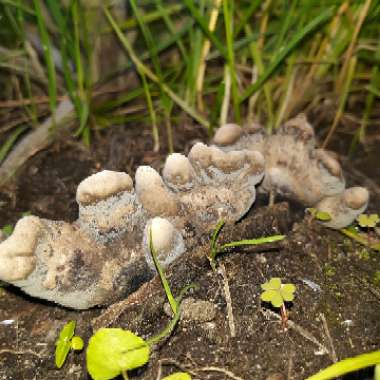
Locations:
column 360, row 239
column 214, row 249
column 170, row 327
column 6, row 147
column 166, row 331
column 165, row 284
column 125, row 375
column 263, row 240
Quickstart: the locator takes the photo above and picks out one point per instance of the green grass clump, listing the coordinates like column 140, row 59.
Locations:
column 211, row 60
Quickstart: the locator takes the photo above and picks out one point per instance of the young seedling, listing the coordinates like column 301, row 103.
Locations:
column 66, row 342
column 277, row 294
column 368, row 221
column 215, row 248
column 113, row 351
column 322, row 216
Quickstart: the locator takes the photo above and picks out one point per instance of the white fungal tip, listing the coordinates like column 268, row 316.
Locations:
column 162, row 234
column 17, row 251
column 344, row 208
column 227, row 134
column 227, row 161
column 102, row 185
column 200, row 154
column 356, row 197
column 178, row 172
column 167, row 242
column 151, row 191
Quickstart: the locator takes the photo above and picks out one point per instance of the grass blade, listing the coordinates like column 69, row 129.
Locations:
column 148, row 38
column 165, row 284
column 347, row 365
column 152, row 76
column 263, row 240
column 228, row 23
column 7, row 146
column 204, row 53
column 169, row 24
column 152, row 113
column 323, row 17
column 342, row 100
column 48, row 55
column 203, row 24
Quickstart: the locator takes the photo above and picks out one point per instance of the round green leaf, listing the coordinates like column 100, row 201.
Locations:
column 277, row 300
column 268, row 295
column 274, row 283
column 112, row 350
column 178, row 376
column 287, row 292
column 323, row 216
column 63, row 343
column 77, row 343
column 370, row 221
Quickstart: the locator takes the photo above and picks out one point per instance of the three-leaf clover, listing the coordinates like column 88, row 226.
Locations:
column 114, row 351
column 277, row 293
column 65, row 342
column 369, row 221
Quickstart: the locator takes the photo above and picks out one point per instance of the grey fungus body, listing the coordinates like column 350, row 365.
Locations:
column 105, row 254
column 293, row 167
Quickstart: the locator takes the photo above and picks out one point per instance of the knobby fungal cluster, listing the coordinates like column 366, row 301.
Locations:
column 104, row 255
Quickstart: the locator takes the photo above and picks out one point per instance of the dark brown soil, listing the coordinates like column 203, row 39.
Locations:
column 335, row 314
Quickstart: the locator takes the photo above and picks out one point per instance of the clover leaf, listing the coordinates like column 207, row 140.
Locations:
column 112, row 351
column 322, row 216
column 77, row 343
column 369, row 221
column 277, row 293
column 178, row 376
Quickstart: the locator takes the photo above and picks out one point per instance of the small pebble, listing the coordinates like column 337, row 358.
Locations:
column 194, row 310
